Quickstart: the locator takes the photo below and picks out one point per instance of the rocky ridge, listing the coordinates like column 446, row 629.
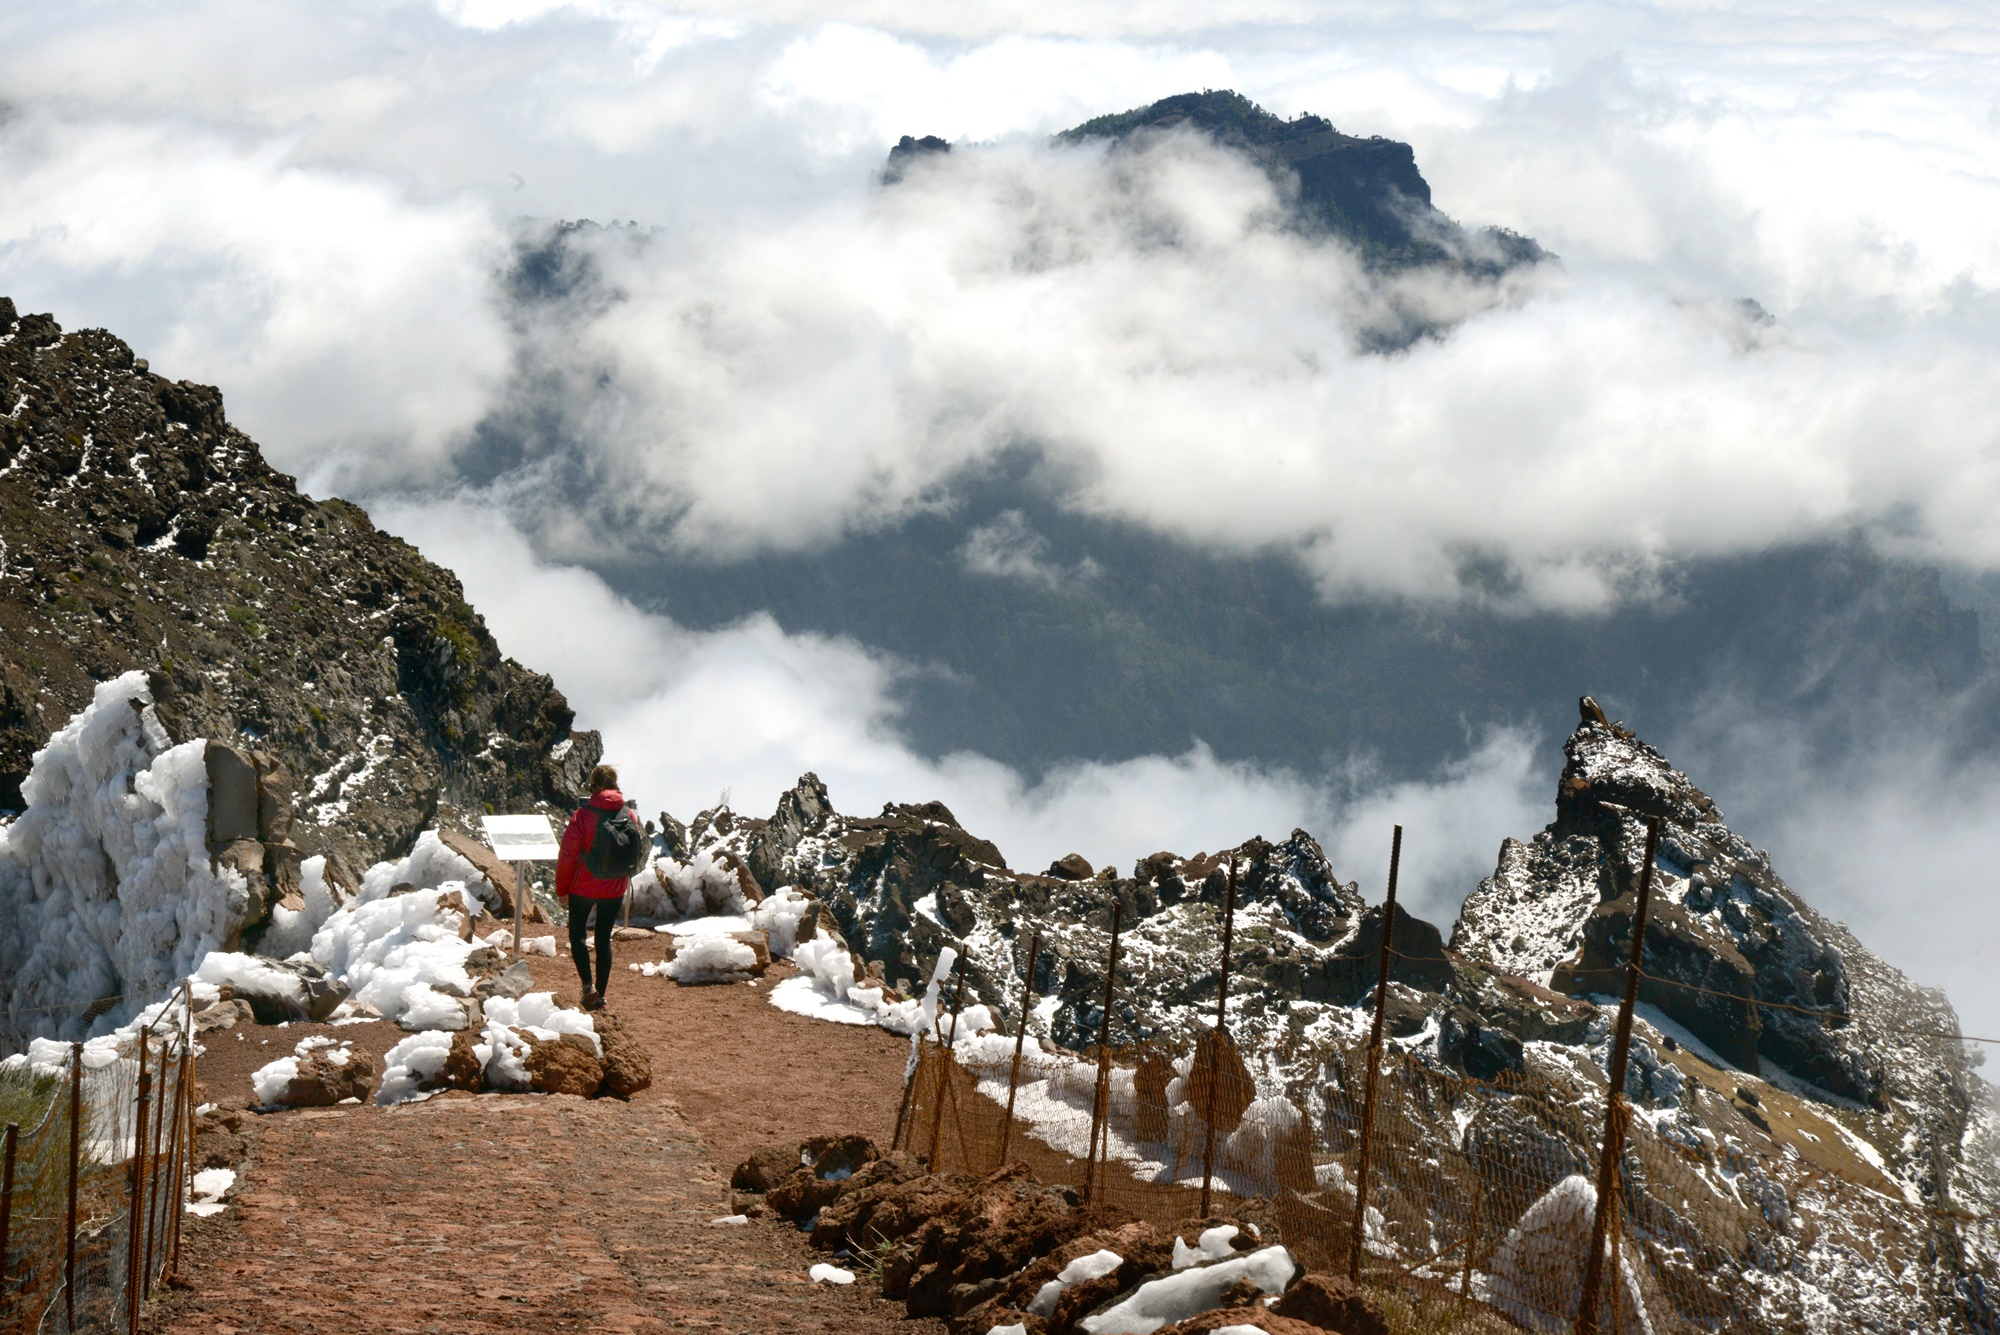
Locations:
column 139, row 529
column 1816, row 1131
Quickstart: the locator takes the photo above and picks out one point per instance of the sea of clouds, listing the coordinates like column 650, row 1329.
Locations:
column 314, row 205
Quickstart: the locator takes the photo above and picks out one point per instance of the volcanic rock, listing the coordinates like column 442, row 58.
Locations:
column 767, row 1166
column 565, row 1064
column 1332, row 1303
column 329, row 1074
column 628, row 1068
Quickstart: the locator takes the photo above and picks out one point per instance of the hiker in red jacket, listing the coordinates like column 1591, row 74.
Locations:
column 602, row 838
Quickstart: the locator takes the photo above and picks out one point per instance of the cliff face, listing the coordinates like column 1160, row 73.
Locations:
column 138, row 529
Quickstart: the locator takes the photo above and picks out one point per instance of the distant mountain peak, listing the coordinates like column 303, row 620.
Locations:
column 1368, row 191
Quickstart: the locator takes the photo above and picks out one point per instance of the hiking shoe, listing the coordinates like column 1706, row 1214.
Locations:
column 593, row 1001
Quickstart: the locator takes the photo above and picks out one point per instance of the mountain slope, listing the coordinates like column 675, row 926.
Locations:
column 138, row 529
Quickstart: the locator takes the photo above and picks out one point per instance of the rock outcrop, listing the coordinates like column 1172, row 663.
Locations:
column 900, row 886
column 139, row 529
column 1731, row 953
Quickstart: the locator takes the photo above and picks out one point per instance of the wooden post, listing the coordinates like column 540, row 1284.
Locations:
column 1221, row 1030
column 1100, row 1102
column 1374, row 1063
column 135, row 1223
column 1020, row 1037
column 75, row 1136
column 7, row 1197
column 944, row 1064
column 1614, row 1100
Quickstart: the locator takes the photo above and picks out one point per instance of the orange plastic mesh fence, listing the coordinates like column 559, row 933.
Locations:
column 1481, row 1193
column 120, row 1249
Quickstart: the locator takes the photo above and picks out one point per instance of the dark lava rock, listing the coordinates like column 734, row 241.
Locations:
column 1331, row 1303
column 767, row 1166
column 628, row 1068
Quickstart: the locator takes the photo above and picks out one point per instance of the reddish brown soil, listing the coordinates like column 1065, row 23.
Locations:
column 519, row 1214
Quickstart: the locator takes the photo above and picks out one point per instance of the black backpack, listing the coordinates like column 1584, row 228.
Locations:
column 617, row 847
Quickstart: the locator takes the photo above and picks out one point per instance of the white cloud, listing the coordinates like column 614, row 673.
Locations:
column 1009, row 548
column 343, row 319
column 748, row 708
column 1186, row 362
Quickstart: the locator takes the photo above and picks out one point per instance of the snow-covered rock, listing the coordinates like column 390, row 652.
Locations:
column 1182, row 1294
column 320, row 1073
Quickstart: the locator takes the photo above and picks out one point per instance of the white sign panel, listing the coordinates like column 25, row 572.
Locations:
column 521, row 838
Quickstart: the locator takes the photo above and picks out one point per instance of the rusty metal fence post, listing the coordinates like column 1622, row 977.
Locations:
column 157, row 1163
column 946, row 1048
column 1472, row 1226
column 1100, row 1099
column 75, row 1136
column 1221, row 1036
column 7, row 1196
column 1614, row 1096
column 184, row 1170
column 1374, row 1064
column 909, row 1091
column 136, row 1209
column 1020, row 1037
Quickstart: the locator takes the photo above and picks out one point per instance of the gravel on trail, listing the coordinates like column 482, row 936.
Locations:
column 515, row 1213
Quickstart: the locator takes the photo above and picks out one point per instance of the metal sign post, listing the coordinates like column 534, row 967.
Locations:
column 521, row 839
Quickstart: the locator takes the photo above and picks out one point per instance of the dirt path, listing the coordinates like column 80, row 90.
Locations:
column 519, row 1214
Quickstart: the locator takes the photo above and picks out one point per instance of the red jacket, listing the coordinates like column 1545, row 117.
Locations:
column 572, row 877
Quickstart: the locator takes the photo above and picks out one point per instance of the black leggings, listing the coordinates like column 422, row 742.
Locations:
column 580, row 910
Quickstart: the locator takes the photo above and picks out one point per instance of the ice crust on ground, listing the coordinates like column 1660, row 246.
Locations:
column 107, row 893
column 830, row 1274
column 208, row 1188
column 1181, row 1295
column 1094, row 1266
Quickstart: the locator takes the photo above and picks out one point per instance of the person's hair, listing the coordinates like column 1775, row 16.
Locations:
column 604, row 776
